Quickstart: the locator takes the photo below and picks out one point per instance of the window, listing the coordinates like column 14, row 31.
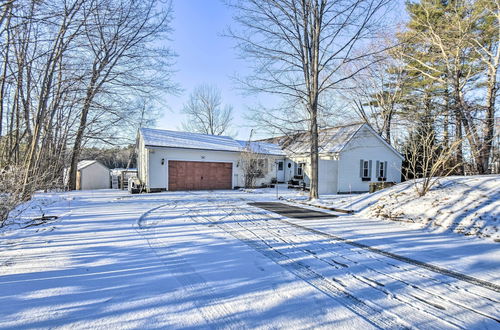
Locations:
column 365, row 170
column 381, row 170
column 280, row 166
column 258, row 167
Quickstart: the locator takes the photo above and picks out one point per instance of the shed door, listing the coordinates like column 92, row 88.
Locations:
column 183, row 175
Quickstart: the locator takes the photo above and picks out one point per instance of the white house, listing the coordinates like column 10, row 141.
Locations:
column 91, row 174
column 350, row 158
column 170, row 160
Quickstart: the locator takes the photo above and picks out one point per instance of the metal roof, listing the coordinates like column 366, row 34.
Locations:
column 174, row 139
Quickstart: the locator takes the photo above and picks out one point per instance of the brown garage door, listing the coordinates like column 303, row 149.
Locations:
column 199, row 175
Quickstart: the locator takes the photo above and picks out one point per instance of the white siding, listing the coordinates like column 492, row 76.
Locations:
column 142, row 161
column 95, row 176
column 327, row 176
column 270, row 173
column 365, row 145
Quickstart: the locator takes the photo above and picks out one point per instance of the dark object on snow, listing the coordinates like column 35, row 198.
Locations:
column 134, row 185
column 292, row 211
column 41, row 220
column 45, row 218
column 375, row 186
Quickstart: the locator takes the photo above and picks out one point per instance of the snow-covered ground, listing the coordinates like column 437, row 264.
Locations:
column 468, row 205
column 209, row 260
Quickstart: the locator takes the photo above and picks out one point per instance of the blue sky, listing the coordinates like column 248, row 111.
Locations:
column 204, row 56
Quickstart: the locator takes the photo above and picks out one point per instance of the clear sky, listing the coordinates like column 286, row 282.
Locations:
column 204, row 56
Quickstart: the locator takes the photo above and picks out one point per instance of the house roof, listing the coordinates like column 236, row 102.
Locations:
column 174, row 139
column 262, row 147
column 331, row 140
column 86, row 163
column 187, row 140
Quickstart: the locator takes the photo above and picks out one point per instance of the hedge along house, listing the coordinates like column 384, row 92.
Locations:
column 350, row 157
column 171, row 160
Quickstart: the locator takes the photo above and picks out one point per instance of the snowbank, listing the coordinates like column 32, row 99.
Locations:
column 466, row 205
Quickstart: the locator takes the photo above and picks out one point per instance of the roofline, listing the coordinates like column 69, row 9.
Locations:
column 194, row 133
column 154, row 146
column 307, row 131
column 378, row 136
column 93, row 161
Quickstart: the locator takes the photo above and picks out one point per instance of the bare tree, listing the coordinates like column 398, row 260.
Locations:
column 427, row 159
column 71, row 71
column 118, row 34
column 299, row 48
column 206, row 113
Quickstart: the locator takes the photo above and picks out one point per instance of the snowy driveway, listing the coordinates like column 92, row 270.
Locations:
column 209, row 260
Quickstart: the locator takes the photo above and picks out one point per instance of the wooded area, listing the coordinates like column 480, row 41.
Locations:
column 437, row 74
column 74, row 73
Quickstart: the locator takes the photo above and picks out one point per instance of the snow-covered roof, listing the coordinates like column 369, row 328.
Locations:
column 174, row 139
column 84, row 163
column 262, row 147
column 331, row 140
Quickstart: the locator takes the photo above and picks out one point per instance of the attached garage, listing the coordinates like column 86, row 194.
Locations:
column 172, row 160
column 194, row 175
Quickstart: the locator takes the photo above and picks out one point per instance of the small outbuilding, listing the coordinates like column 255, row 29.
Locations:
column 91, row 174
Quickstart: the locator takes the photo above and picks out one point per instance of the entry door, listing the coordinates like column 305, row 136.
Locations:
column 280, row 172
column 187, row 175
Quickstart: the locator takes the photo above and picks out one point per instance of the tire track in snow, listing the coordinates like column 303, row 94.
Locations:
column 423, row 295
column 412, row 303
column 215, row 312
column 368, row 311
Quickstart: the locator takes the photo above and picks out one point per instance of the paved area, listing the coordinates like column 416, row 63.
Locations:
column 290, row 211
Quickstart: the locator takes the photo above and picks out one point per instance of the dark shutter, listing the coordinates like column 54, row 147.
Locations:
column 377, row 169
column 385, row 170
column 370, row 169
column 361, row 168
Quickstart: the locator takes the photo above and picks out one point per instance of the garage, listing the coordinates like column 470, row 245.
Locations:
column 192, row 175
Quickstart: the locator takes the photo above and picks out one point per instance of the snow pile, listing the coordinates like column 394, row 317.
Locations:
column 466, row 205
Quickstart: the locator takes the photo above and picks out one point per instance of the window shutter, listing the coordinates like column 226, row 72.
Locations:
column 385, row 170
column 377, row 169
column 361, row 168
column 370, row 169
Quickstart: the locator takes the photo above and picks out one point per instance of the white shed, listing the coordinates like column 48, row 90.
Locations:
column 91, row 174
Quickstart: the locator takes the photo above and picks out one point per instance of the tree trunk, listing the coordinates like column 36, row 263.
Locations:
column 313, row 129
column 489, row 123
column 79, row 136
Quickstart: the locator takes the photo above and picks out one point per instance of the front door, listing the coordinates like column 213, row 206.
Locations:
column 280, row 171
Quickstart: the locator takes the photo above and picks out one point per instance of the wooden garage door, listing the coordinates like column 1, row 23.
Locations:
column 184, row 175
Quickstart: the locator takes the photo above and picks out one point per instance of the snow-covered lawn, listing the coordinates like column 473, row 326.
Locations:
column 207, row 259
column 468, row 205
